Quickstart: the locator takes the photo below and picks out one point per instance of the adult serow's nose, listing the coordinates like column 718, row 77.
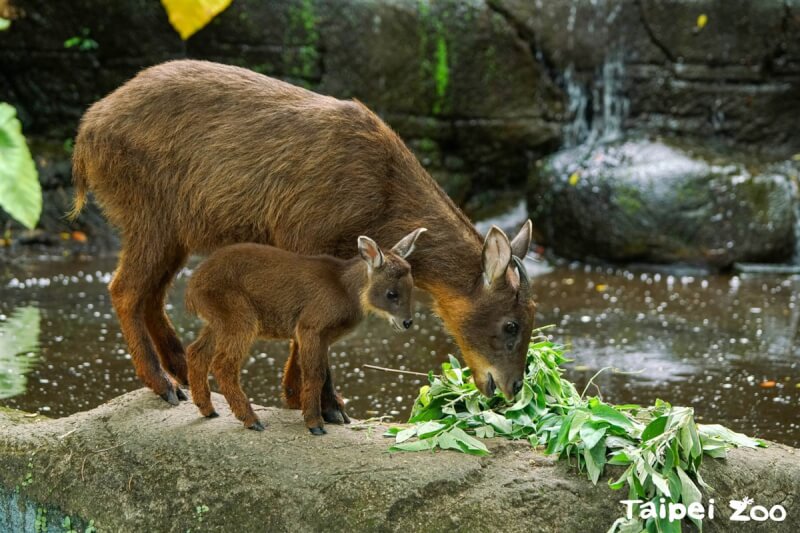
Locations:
column 407, row 323
column 517, row 386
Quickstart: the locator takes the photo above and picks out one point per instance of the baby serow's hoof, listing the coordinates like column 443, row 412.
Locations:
column 256, row 426
column 317, row 431
column 212, row 414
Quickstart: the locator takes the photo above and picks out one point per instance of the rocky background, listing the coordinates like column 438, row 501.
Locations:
column 675, row 121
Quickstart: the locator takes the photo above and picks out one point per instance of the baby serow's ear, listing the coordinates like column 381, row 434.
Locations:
column 405, row 246
column 370, row 252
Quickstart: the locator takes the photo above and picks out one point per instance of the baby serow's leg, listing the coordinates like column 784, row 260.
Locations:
column 199, row 355
column 313, row 363
column 226, row 367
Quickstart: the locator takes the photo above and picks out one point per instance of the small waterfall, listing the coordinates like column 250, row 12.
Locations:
column 596, row 101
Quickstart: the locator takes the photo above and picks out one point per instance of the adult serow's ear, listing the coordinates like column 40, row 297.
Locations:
column 370, row 252
column 405, row 246
column 496, row 255
column 522, row 242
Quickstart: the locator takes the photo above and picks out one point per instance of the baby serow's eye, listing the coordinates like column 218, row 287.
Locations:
column 511, row 328
column 391, row 294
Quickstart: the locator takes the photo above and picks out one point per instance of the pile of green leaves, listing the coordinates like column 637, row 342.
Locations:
column 660, row 447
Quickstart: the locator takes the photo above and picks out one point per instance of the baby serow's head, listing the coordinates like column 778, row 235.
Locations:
column 390, row 283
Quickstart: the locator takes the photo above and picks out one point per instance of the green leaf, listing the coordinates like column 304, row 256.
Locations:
column 727, row 435
column 654, row 428
column 601, row 411
column 660, row 483
column 468, row 443
column 620, row 458
column 4, row 24
column 405, row 434
column 502, row 424
column 415, row 446
column 592, row 432
column 428, row 429
column 524, row 398
column 595, row 461
column 20, row 191
column 689, row 492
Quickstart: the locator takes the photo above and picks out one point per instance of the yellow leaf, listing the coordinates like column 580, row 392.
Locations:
column 601, row 287
column 189, row 16
column 702, row 20
column 573, row 179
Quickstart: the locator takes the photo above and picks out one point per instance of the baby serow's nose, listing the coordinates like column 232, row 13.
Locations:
column 517, row 386
column 407, row 323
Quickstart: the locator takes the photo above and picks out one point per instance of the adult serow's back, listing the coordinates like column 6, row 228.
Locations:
column 189, row 156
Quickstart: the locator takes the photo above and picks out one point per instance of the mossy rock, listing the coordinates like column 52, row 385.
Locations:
column 659, row 201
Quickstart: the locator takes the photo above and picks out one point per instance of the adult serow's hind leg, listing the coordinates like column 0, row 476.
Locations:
column 162, row 333
column 135, row 282
column 331, row 402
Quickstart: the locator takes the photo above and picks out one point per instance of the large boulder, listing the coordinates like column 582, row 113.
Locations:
column 136, row 464
column 656, row 201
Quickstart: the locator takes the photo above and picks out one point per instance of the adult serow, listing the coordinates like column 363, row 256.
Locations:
column 246, row 291
column 189, row 156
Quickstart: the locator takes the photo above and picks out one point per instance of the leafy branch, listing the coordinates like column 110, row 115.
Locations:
column 660, row 447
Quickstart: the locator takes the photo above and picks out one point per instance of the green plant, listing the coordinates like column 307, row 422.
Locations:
column 20, row 191
column 660, row 447
column 82, row 42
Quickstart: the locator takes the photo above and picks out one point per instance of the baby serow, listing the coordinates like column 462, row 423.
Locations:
column 249, row 291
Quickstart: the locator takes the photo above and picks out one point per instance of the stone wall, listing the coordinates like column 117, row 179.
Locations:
column 480, row 89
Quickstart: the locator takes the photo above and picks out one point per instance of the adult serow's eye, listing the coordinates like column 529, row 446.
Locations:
column 511, row 328
column 392, row 295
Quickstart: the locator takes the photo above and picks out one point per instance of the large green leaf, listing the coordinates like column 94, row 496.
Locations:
column 20, row 192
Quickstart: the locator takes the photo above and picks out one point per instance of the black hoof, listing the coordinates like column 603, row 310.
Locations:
column 181, row 395
column 170, row 397
column 212, row 414
column 345, row 418
column 257, row 426
column 317, row 431
column 332, row 417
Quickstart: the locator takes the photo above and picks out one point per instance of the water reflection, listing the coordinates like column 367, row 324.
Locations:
column 19, row 342
column 711, row 342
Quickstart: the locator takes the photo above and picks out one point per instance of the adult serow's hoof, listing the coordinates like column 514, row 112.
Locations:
column 317, row 431
column 212, row 414
column 170, row 396
column 256, row 426
column 181, row 395
column 334, row 416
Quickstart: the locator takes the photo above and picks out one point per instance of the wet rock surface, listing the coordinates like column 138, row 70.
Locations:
column 135, row 464
column 658, row 201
